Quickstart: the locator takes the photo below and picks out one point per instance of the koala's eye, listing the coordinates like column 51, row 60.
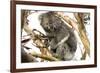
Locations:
column 46, row 26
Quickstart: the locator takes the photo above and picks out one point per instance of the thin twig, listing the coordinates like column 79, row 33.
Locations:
column 46, row 57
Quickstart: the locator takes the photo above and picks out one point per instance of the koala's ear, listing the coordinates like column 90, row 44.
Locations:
column 46, row 15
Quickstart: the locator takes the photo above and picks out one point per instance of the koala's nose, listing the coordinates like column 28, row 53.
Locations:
column 48, row 27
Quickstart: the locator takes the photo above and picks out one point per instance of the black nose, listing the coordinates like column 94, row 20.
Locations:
column 54, row 50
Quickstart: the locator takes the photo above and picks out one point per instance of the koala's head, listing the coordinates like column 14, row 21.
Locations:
column 49, row 21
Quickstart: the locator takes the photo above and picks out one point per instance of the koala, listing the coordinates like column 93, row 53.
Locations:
column 62, row 40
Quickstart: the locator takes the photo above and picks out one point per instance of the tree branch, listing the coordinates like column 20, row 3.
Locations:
column 46, row 57
column 82, row 33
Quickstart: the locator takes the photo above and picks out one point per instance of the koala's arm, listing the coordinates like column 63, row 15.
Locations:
column 72, row 42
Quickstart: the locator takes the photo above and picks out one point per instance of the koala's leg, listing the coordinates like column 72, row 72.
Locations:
column 54, row 44
column 64, row 52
